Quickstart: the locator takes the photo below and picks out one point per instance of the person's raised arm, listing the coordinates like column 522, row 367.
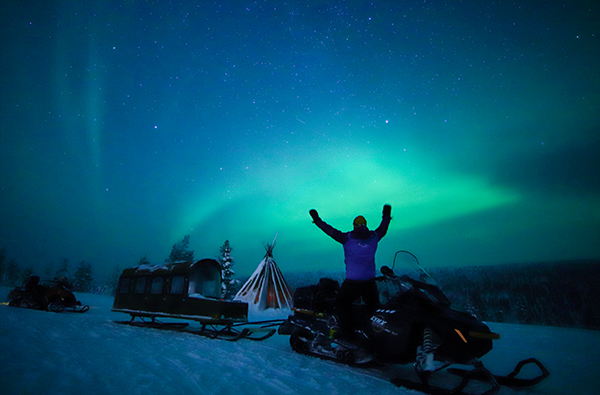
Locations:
column 329, row 230
column 385, row 221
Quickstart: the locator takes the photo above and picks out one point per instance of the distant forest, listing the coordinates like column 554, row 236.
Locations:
column 565, row 294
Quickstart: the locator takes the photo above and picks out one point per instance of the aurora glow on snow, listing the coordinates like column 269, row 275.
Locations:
column 126, row 125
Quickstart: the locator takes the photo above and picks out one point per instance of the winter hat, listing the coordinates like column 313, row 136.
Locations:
column 360, row 221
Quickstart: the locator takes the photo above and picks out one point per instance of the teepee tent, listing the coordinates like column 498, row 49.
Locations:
column 266, row 288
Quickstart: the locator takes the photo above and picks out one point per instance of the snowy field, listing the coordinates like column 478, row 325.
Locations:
column 68, row 353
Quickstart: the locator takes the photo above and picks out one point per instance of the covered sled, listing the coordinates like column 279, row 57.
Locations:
column 187, row 290
column 190, row 290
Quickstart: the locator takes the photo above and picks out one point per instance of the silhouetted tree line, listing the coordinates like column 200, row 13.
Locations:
column 11, row 275
column 557, row 294
column 82, row 280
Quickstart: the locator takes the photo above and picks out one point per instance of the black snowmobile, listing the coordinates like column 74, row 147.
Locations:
column 414, row 324
column 57, row 296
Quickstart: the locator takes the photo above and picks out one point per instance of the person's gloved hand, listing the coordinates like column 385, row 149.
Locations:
column 387, row 210
column 314, row 215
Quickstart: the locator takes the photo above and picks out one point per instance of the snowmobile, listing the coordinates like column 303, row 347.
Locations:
column 56, row 297
column 414, row 323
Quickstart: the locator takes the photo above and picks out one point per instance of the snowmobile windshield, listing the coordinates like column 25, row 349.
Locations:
column 408, row 277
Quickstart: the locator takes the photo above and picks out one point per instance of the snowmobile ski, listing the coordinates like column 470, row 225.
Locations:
column 511, row 380
column 479, row 374
column 59, row 308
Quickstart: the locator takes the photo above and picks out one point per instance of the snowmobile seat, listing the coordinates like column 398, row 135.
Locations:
column 303, row 297
column 320, row 297
column 327, row 290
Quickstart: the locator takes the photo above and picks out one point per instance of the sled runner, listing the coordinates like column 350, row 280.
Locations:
column 259, row 330
column 414, row 324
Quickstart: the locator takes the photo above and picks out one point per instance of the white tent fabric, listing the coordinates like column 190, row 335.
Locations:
column 267, row 287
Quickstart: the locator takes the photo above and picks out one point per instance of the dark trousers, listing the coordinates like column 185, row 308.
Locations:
column 348, row 294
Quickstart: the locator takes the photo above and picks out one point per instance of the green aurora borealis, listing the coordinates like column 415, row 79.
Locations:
column 127, row 125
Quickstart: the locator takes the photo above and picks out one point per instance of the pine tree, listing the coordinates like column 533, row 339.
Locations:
column 47, row 276
column 180, row 251
column 143, row 261
column 113, row 280
column 229, row 285
column 63, row 271
column 83, row 277
column 12, row 274
column 25, row 274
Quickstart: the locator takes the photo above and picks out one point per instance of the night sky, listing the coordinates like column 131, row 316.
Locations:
column 126, row 125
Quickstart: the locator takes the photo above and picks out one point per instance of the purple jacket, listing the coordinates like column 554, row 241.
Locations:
column 360, row 246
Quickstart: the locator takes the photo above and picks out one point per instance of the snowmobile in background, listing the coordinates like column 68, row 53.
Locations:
column 55, row 297
column 415, row 323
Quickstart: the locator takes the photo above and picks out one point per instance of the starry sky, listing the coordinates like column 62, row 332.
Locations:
column 126, row 125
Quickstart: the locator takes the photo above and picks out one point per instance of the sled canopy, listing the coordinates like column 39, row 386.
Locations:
column 266, row 288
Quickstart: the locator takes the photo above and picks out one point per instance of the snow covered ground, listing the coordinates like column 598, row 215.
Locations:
column 68, row 353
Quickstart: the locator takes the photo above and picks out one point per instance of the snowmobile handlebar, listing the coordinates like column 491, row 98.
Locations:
column 387, row 272
column 428, row 291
